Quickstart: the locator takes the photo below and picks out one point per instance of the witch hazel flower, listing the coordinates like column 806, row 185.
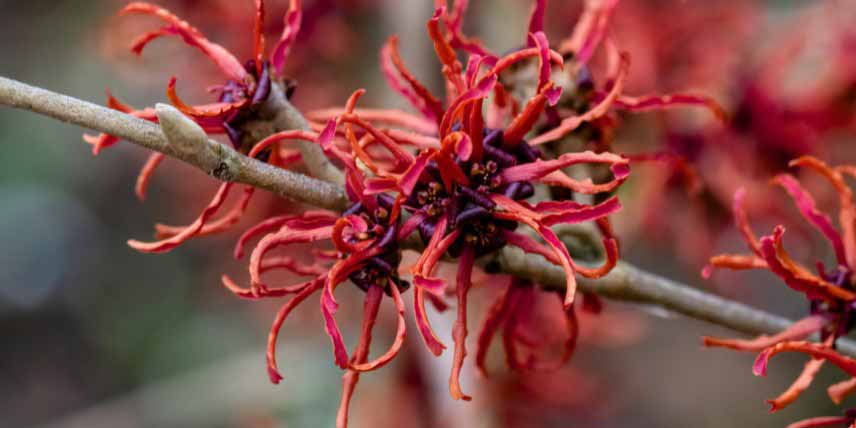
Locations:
column 466, row 191
column 247, row 86
column 831, row 292
column 366, row 253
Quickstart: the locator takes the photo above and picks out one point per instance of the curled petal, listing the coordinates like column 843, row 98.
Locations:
column 329, row 306
column 459, row 332
column 354, row 225
column 590, row 29
column 539, row 40
column 796, row 276
column 582, row 214
column 361, row 354
column 541, row 169
column 556, row 245
column 733, row 262
column 402, row 157
column 281, row 316
column 317, row 217
column 428, row 336
column 390, row 117
column 400, row 335
column 423, row 279
column 822, row 421
column 809, row 210
column 815, row 350
column 529, row 245
column 515, row 57
column 291, row 23
column 146, row 174
column 285, row 236
column 222, row 224
column 411, row 177
column 456, row 107
column 659, row 102
column 536, row 19
column 492, row 321
column 797, row 331
column 281, row 136
column 228, row 64
column 571, row 123
column 742, row 221
column 839, row 391
column 802, row 382
column 847, row 213
column 523, row 122
column 328, row 310
column 189, row 232
column 444, row 50
column 417, row 94
column 216, row 110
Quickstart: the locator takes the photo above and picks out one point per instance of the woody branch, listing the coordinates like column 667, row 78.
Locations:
column 180, row 138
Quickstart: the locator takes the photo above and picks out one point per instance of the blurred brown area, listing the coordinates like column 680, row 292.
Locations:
column 94, row 334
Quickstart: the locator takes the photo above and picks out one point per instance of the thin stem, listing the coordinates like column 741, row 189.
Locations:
column 625, row 282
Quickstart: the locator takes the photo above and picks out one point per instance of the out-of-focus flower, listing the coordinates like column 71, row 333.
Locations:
column 831, row 292
column 772, row 121
column 367, row 252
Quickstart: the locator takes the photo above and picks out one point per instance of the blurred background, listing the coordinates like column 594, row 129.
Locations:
column 97, row 335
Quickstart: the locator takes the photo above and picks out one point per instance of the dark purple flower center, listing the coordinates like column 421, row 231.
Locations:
column 469, row 208
column 234, row 91
column 382, row 269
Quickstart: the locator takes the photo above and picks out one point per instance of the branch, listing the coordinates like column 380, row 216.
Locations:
column 625, row 282
column 216, row 159
column 629, row 283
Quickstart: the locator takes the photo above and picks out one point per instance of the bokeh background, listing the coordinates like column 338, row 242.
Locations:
column 93, row 334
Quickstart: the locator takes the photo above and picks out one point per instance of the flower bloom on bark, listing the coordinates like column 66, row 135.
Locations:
column 830, row 291
column 247, row 87
column 465, row 191
column 367, row 252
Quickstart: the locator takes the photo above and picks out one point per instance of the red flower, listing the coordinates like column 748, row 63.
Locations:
column 246, row 88
column 466, row 191
column 831, row 294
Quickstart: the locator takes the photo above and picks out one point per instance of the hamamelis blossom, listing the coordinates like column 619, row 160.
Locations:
column 831, row 292
column 466, row 192
column 367, row 253
column 247, row 86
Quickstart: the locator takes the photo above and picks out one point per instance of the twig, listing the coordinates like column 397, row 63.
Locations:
column 217, row 160
column 624, row 283
column 629, row 283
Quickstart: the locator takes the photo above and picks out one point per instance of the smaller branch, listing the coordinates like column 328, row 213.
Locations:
column 629, row 283
column 216, row 159
column 285, row 116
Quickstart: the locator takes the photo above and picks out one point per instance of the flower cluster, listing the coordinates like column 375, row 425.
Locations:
column 463, row 193
column 485, row 167
column 830, row 291
column 771, row 120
